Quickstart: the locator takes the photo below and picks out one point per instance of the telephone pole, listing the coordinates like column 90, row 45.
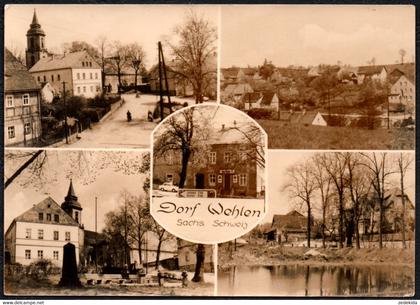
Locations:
column 96, row 234
column 66, row 128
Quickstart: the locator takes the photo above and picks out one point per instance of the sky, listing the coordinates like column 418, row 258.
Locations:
column 106, row 186
column 279, row 201
column 145, row 24
column 311, row 35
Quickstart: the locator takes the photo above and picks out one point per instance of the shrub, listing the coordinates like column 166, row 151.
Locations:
column 336, row 120
column 40, row 269
column 260, row 113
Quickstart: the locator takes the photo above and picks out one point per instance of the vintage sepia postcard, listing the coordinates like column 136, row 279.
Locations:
column 322, row 77
column 338, row 224
column 80, row 76
column 211, row 151
column 71, row 230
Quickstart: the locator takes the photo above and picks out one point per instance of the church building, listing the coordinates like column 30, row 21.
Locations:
column 43, row 230
column 78, row 70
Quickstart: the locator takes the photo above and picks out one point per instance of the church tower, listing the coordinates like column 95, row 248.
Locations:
column 71, row 206
column 35, row 43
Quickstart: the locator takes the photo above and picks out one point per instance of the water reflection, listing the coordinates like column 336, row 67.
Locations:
column 301, row 280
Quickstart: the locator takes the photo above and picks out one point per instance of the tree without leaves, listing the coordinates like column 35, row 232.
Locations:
column 359, row 187
column 178, row 136
column 302, row 186
column 402, row 53
column 194, row 54
column 404, row 162
column 136, row 57
column 335, row 165
column 76, row 46
column 39, row 168
column 119, row 59
column 323, row 183
column 379, row 169
column 103, row 48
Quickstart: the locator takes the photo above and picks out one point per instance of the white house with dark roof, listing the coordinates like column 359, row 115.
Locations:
column 78, row 70
column 403, row 91
column 22, row 124
column 43, row 230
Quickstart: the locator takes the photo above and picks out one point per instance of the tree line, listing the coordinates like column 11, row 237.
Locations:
column 348, row 188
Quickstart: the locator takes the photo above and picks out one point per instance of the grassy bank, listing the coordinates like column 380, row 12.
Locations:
column 28, row 287
column 295, row 136
column 278, row 255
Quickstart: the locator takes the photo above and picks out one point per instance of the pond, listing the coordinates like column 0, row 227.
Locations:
column 316, row 280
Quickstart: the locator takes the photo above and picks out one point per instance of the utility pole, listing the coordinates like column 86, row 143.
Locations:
column 66, row 128
column 166, row 77
column 160, row 85
column 147, row 261
column 96, row 234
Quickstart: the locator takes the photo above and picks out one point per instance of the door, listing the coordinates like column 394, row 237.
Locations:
column 227, row 184
column 199, row 181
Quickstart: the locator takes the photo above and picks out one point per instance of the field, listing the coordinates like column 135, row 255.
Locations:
column 295, row 136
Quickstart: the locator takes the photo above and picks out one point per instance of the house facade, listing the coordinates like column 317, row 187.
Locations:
column 227, row 166
column 79, row 71
column 403, row 91
column 187, row 256
column 22, row 123
column 42, row 231
column 289, row 228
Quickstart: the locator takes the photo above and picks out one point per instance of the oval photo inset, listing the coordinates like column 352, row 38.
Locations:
column 208, row 173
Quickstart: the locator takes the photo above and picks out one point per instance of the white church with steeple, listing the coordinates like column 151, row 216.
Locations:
column 43, row 230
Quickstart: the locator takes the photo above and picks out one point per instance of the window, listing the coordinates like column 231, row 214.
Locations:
column 39, row 78
column 169, row 177
column 55, row 255
column 27, row 128
column 83, row 75
column 26, row 99
column 45, row 78
column 96, row 75
column 55, row 235
column 91, row 75
column 56, row 218
column 98, row 88
column 219, row 179
column 11, row 132
column 48, row 216
column 187, row 256
column 28, row 233
column 52, row 77
column 83, row 63
column 242, row 180
column 78, row 75
column 78, row 89
column 227, row 157
column 58, row 77
column 40, row 254
column 67, row 236
column 212, row 157
column 76, row 216
column 90, row 64
column 9, row 101
column 212, row 179
column 40, row 234
column 26, row 110
column 235, row 178
column 84, row 89
column 41, row 216
column 27, row 254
